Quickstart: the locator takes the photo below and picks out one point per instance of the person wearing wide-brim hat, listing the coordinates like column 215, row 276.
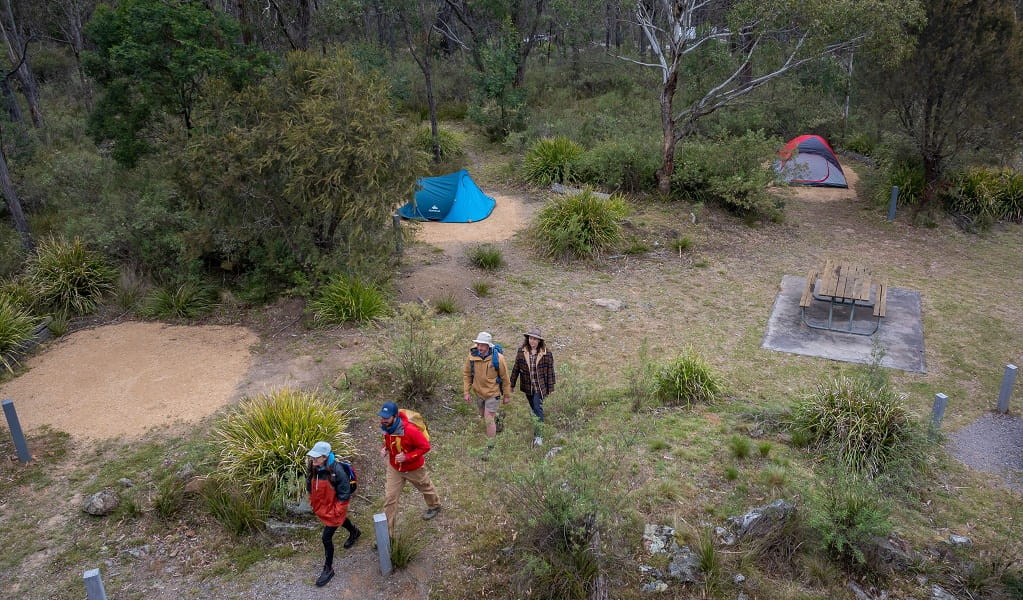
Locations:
column 534, row 369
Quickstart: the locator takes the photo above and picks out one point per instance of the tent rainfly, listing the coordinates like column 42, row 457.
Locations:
column 809, row 160
column 451, row 198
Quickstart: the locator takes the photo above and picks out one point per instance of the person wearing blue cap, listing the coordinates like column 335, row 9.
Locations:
column 405, row 447
column 329, row 492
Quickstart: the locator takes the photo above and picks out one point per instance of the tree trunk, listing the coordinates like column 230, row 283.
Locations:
column 668, row 130
column 13, row 108
column 243, row 21
column 432, row 102
column 17, row 51
column 14, row 205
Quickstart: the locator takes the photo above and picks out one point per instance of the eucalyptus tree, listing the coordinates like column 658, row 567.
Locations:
column 16, row 41
column 712, row 53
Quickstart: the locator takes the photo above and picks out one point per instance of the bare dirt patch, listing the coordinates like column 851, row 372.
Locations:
column 126, row 378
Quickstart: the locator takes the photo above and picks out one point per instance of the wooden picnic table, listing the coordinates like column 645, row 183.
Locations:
column 844, row 284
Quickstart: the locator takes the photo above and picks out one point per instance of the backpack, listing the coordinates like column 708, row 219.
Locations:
column 497, row 349
column 353, row 479
column 417, row 420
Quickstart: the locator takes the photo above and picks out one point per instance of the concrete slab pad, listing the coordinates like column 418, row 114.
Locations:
column 901, row 333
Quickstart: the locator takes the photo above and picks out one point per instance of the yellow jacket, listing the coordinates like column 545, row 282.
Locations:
column 478, row 376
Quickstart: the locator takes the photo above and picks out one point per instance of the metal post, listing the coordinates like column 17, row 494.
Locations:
column 893, row 203
column 16, row 433
column 94, row 585
column 397, row 232
column 383, row 543
column 1008, row 380
column 938, row 412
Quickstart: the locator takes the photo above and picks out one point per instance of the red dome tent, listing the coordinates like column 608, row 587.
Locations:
column 809, row 160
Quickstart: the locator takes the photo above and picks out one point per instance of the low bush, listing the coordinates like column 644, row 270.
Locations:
column 734, row 172
column 486, row 256
column 740, row 446
column 579, row 225
column 65, row 275
column 687, row 380
column 446, row 305
column 451, row 144
column 847, row 512
column 16, row 325
column 481, row 288
column 406, row 544
column 550, row 160
column 416, row 364
column 979, row 196
column 863, row 427
column 186, row 301
column 170, row 496
column 264, row 440
column 348, row 299
column 239, row 511
column 626, row 165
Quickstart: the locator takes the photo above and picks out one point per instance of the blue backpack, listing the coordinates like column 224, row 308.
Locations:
column 493, row 359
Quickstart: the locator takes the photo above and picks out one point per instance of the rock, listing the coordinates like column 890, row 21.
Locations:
column 685, row 566
column 276, row 527
column 649, row 571
column 764, row 519
column 654, row 587
column 194, row 485
column 138, row 552
column 659, row 539
column 552, row 452
column 959, row 540
column 857, row 591
column 940, row 593
column 724, row 536
column 102, row 503
column 742, row 596
column 299, row 508
column 739, row 579
column 186, row 471
column 609, row 303
column 885, row 555
column 125, row 482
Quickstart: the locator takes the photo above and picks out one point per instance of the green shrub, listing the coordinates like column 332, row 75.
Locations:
column 451, row 143
column 579, row 225
column 265, row 438
column 481, row 288
column 619, row 165
column 170, row 496
column 186, row 301
column 910, row 179
column 130, row 290
column 731, row 473
column 64, row 275
column 982, row 196
column 348, row 299
column 406, row 544
column 682, row 244
column 486, row 256
column 686, row 381
column 740, row 446
column 775, row 476
column 240, row 511
column 16, row 326
column 550, row 161
column 764, row 448
column 415, row 363
column 735, row 172
column 445, row 305
column 847, row 512
column 865, row 428
column 860, row 143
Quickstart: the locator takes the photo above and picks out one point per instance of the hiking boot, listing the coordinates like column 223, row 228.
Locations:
column 538, row 441
column 325, row 576
column 352, row 537
column 431, row 513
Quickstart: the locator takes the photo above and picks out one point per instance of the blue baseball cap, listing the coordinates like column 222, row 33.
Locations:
column 388, row 410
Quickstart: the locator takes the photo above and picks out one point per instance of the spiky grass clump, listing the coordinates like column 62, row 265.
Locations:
column 240, row 511
column 687, row 380
column 66, row 276
column 451, row 143
column 481, row 288
column 486, row 256
column 186, row 301
column 446, row 305
column 550, row 160
column 406, row 545
column 266, row 438
column 348, row 300
column 579, row 225
column 740, row 446
column 16, row 326
column 866, row 428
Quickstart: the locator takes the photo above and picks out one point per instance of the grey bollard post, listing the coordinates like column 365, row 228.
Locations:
column 938, row 412
column 893, row 202
column 16, row 433
column 1008, row 380
column 383, row 543
column 397, row 233
column 94, row 585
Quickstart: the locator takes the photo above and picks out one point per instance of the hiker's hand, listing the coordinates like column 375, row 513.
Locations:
column 400, row 457
column 468, row 398
column 383, row 452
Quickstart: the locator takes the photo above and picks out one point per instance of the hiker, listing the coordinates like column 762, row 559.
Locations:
column 485, row 374
column 405, row 446
column 329, row 493
column 535, row 365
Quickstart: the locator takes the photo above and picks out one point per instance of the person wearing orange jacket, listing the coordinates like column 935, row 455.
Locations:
column 405, row 447
column 329, row 494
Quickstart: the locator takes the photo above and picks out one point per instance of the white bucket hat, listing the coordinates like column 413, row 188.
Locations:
column 484, row 338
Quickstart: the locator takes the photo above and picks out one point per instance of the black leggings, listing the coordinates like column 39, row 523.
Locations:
column 328, row 541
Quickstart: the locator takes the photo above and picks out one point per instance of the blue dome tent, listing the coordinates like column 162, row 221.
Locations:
column 451, row 198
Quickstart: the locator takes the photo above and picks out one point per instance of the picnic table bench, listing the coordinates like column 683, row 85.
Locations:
column 844, row 284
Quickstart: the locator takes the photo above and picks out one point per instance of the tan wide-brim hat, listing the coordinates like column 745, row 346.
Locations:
column 534, row 332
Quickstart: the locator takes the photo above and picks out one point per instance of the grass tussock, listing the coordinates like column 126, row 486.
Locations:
column 66, row 276
column 687, row 380
column 581, row 225
column 186, row 301
column 550, row 160
column 16, row 325
column 486, row 256
column 348, row 300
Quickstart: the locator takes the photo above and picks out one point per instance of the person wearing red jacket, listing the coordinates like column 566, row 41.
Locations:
column 405, row 447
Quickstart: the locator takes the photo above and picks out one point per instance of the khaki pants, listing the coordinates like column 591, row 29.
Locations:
column 394, row 484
